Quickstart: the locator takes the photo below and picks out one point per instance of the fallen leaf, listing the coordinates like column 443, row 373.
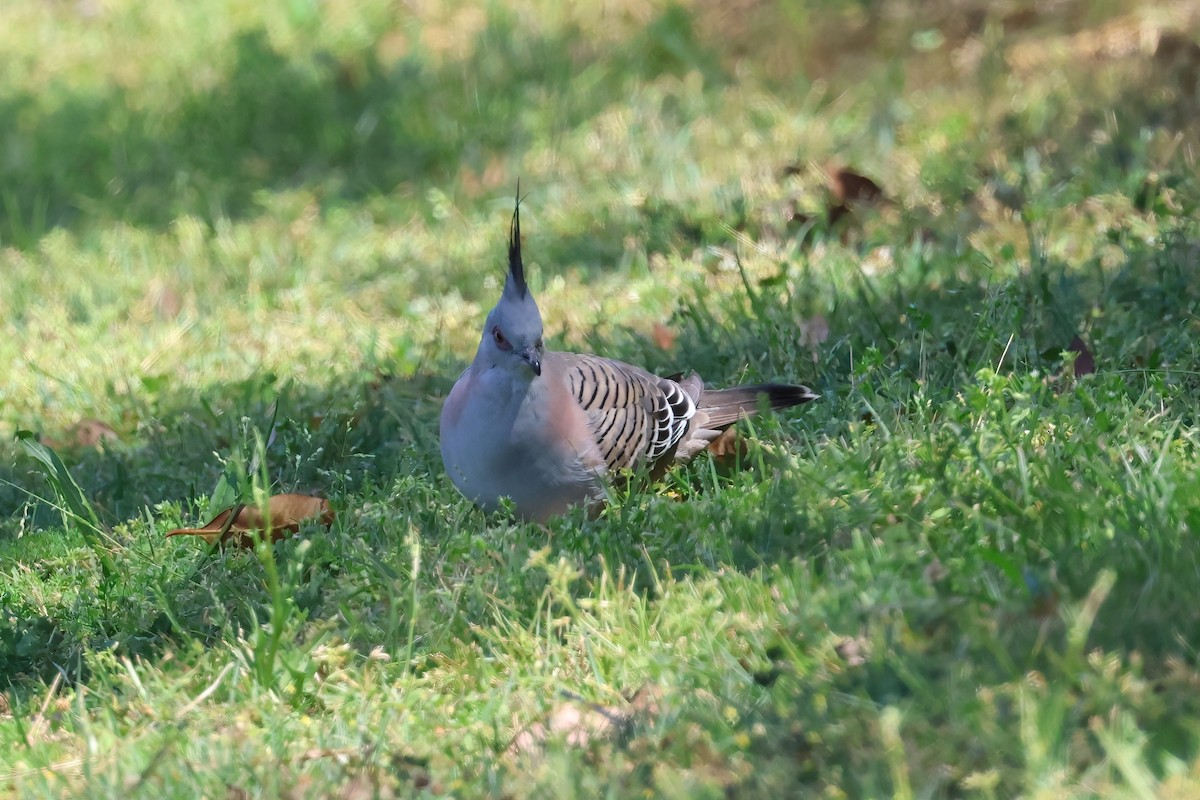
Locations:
column 285, row 512
column 85, row 433
column 850, row 187
column 366, row 786
column 646, row 702
column 934, row 572
column 854, row 650
column 1085, row 364
column 342, row 755
column 663, row 336
column 847, row 191
column 814, row 331
column 578, row 723
column 166, row 302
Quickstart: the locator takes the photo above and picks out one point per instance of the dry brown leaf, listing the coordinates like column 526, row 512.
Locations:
column 663, row 336
column 1085, row 364
column 646, row 702
column 848, row 191
column 286, row 513
column 854, row 650
column 366, row 787
column 85, row 433
column 815, row 329
column 578, row 723
column 92, row 432
column 166, row 303
column 1179, row 59
column 849, row 187
column 935, row 571
column 813, row 332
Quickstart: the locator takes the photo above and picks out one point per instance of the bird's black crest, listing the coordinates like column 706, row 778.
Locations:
column 516, row 268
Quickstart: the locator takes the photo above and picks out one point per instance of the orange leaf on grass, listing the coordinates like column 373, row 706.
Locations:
column 663, row 336
column 285, row 513
column 85, row 433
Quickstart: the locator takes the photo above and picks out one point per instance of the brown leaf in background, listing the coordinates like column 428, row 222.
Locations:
column 646, row 703
column 1178, row 59
column 848, row 187
column 286, row 512
column 815, row 329
column 847, row 190
column 92, row 432
column 854, row 650
column 663, row 336
column 579, row 723
column 935, row 571
column 85, row 433
column 813, row 332
column 167, row 303
column 1085, row 364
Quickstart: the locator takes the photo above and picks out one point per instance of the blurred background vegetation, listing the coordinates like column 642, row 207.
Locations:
column 352, row 154
column 115, row 111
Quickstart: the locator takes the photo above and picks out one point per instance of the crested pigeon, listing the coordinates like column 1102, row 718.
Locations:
column 546, row 429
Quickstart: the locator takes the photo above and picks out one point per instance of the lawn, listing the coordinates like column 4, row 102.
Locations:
column 246, row 249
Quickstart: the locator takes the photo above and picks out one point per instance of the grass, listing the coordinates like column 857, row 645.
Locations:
column 966, row 572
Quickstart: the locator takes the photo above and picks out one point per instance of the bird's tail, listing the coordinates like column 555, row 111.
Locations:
column 724, row 407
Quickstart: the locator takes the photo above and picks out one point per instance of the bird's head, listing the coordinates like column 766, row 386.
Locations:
column 512, row 335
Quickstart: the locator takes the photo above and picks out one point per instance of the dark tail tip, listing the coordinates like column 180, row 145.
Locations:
column 726, row 406
column 782, row 395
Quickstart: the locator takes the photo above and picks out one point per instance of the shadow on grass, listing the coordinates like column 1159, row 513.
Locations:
column 337, row 440
column 348, row 127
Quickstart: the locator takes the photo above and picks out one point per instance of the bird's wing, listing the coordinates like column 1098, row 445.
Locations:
column 635, row 418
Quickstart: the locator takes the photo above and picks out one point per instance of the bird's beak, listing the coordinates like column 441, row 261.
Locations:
column 531, row 356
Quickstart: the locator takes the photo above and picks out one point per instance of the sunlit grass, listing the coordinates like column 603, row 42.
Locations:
column 964, row 572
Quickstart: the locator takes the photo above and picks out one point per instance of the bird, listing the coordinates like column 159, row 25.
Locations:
column 549, row 430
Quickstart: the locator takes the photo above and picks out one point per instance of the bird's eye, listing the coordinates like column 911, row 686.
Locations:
column 501, row 342
column 539, row 344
